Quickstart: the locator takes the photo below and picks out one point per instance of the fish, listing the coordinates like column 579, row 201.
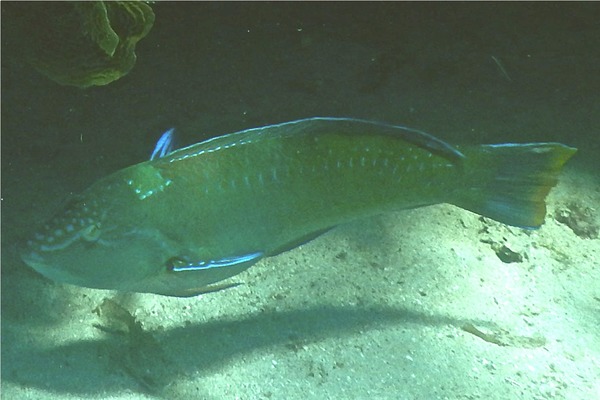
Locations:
column 183, row 221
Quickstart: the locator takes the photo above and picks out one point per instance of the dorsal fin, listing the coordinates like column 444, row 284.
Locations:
column 320, row 126
column 164, row 145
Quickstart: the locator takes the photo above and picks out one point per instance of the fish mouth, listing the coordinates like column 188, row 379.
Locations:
column 32, row 255
column 41, row 265
column 33, row 259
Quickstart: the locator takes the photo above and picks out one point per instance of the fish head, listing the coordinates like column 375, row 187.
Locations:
column 121, row 234
column 107, row 237
column 85, row 245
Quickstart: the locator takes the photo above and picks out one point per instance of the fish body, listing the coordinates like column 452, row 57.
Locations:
column 175, row 224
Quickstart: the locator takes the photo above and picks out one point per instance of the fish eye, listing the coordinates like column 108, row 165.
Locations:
column 176, row 262
column 91, row 233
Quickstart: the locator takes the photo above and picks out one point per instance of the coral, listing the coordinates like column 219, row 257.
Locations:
column 82, row 43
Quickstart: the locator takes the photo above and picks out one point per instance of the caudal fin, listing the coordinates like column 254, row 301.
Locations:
column 510, row 182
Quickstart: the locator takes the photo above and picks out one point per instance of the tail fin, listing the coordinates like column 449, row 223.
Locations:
column 510, row 182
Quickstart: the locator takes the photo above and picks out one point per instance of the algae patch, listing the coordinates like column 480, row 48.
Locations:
column 502, row 337
column 580, row 219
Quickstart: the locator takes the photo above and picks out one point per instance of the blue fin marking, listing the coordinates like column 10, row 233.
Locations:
column 164, row 145
column 224, row 262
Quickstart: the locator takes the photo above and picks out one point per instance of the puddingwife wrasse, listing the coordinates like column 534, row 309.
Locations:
column 189, row 218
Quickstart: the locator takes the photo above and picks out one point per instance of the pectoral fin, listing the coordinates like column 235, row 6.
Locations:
column 179, row 264
column 198, row 276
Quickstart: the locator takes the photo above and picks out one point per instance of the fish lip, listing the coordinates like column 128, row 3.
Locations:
column 31, row 257
column 40, row 264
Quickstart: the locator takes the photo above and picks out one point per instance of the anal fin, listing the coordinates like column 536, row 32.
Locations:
column 298, row 242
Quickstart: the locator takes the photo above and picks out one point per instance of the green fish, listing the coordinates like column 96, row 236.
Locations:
column 186, row 219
